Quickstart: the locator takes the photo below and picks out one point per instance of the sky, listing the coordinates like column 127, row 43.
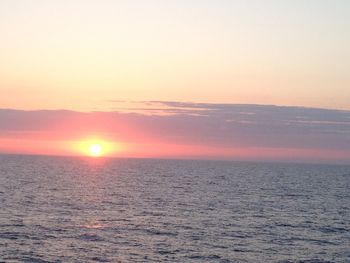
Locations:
column 84, row 53
column 159, row 129
column 88, row 56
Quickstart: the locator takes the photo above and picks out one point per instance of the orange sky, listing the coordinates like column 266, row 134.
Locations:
column 79, row 54
column 112, row 56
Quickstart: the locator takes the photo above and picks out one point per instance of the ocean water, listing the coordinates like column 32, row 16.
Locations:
column 56, row 209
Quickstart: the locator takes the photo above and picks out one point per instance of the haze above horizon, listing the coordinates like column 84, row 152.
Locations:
column 176, row 78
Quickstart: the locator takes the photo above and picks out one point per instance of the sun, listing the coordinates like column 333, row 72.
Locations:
column 95, row 150
column 96, row 147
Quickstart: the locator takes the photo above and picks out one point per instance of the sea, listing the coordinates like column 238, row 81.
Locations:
column 74, row 209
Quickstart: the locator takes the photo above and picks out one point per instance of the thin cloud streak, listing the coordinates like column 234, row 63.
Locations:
column 224, row 130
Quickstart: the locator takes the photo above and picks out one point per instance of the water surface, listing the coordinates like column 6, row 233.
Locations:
column 56, row 209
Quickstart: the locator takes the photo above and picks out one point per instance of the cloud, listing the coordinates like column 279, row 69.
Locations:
column 219, row 126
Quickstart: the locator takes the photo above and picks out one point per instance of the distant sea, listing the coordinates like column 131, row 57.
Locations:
column 61, row 209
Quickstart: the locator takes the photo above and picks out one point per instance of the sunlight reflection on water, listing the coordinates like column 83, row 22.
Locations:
column 88, row 210
column 94, row 225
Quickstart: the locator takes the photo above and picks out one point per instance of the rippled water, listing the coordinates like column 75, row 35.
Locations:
column 131, row 210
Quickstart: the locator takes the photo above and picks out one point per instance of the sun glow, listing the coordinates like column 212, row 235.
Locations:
column 96, row 147
column 95, row 150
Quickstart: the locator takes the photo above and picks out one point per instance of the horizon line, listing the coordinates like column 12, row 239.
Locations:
column 305, row 162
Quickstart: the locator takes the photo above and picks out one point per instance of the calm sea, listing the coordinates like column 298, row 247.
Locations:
column 56, row 209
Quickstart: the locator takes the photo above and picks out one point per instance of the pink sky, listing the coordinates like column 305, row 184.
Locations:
column 99, row 60
column 184, row 130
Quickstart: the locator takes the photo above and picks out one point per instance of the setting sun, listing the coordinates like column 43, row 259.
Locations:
column 95, row 147
column 95, row 150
